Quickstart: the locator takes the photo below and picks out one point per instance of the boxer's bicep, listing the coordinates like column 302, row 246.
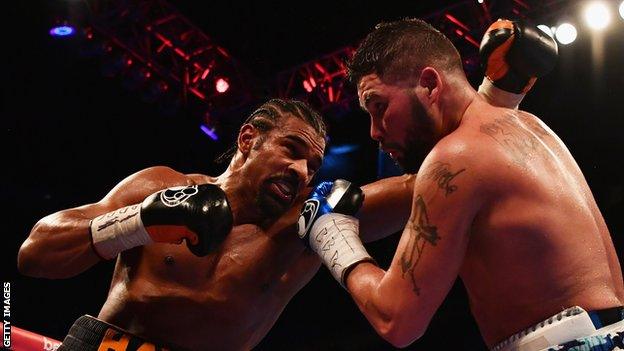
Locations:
column 59, row 245
column 386, row 207
column 434, row 241
column 401, row 301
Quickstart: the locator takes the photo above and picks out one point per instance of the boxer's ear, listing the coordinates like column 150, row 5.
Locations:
column 429, row 87
column 246, row 138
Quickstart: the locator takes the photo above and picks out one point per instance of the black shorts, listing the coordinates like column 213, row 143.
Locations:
column 91, row 334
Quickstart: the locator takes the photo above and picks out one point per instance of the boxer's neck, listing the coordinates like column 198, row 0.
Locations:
column 456, row 102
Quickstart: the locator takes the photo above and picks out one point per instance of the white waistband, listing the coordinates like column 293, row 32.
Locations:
column 569, row 324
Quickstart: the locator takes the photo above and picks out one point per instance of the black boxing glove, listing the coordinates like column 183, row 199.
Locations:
column 198, row 213
column 514, row 54
column 327, row 226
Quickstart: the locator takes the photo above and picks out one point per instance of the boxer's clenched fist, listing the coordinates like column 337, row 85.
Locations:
column 515, row 54
column 327, row 227
column 199, row 213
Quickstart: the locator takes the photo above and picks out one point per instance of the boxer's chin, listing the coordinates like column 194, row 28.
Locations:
column 270, row 206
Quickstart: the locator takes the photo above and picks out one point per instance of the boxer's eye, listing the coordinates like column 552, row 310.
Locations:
column 379, row 107
column 292, row 152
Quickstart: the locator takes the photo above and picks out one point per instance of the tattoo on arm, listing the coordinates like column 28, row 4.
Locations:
column 421, row 233
column 440, row 173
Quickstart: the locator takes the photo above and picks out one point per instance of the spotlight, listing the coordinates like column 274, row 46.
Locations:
column 222, row 85
column 307, row 86
column 597, row 15
column 622, row 10
column 565, row 33
column 480, row 1
column 546, row 29
column 62, row 31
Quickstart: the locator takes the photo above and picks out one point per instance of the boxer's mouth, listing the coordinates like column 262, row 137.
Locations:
column 284, row 189
column 393, row 149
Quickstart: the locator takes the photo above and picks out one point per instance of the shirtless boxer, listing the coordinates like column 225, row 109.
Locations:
column 164, row 295
column 498, row 201
column 229, row 299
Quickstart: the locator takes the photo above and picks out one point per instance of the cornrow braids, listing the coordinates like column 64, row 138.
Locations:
column 266, row 117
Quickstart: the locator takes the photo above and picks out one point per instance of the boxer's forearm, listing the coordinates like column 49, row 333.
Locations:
column 386, row 207
column 374, row 294
column 59, row 246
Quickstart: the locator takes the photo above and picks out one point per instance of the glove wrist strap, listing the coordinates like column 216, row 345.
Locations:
column 499, row 97
column 334, row 237
column 117, row 231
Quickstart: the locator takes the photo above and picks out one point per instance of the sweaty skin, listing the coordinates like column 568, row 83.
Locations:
column 500, row 202
column 226, row 301
column 229, row 299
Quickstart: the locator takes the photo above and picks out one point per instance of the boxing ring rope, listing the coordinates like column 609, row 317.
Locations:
column 24, row 340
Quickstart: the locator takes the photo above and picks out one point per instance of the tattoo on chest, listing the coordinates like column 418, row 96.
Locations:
column 421, row 233
column 441, row 174
column 519, row 142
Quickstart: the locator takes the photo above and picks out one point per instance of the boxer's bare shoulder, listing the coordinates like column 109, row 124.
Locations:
column 542, row 224
column 137, row 186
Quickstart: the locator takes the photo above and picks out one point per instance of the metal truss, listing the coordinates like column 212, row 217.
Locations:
column 155, row 34
column 322, row 81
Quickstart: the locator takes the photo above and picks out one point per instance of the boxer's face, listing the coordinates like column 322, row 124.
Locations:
column 399, row 121
column 282, row 162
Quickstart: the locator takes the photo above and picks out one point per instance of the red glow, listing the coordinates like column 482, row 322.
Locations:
column 223, row 52
column 180, row 52
column 330, row 94
column 313, row 82
column 205, row 74
column 456, row 21
column 197, row 93
column 222, row 85
column 320, row 68
column 522, row 3
column 307, row 86
column 459, row 32
column 129, row 62
column 471, row 40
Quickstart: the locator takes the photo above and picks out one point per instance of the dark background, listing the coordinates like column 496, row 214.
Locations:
column 69, row 135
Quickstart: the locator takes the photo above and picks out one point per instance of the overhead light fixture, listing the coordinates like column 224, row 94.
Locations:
column 597, row 15
column 565, row 33
column 62, row 31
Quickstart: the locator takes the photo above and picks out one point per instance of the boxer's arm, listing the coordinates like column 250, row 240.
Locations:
column 386, row 207
column 401, row 301
column 59, row 245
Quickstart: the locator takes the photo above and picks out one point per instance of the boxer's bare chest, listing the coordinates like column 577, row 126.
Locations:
column 227, row 297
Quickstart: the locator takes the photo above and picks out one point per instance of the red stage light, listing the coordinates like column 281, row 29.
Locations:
column 307, row 86
column 313, row 82
column 222, row 85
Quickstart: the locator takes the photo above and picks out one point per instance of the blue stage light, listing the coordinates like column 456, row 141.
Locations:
column 209, row 132
column 62, row 31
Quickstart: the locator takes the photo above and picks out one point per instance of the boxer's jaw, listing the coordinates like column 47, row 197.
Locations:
column 399, row 121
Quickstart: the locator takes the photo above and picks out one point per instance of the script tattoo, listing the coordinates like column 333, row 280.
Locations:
column 520, row 141
column 439, row 172
column 421, row 233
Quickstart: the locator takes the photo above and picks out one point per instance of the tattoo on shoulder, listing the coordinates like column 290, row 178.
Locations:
column 518, row 140
column 440, row 173
column 421, row 233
